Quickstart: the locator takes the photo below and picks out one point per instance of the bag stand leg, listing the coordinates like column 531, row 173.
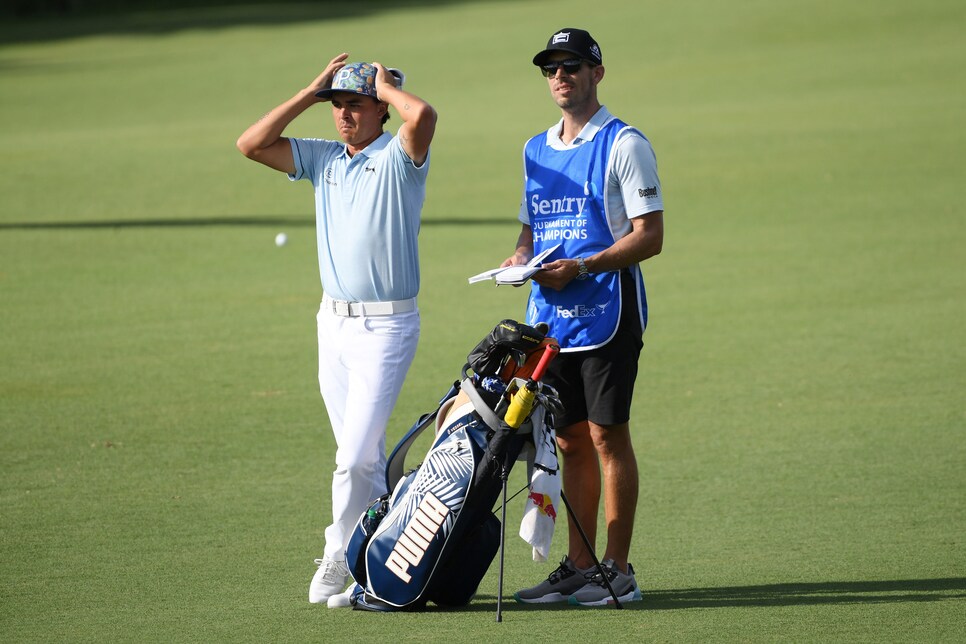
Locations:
column 590, row 548
column 499, row 594
column 583, row 536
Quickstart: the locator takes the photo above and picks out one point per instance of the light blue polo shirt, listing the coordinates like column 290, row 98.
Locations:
column 367, row 212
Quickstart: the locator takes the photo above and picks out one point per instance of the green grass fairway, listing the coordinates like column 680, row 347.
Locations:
column 799, row 419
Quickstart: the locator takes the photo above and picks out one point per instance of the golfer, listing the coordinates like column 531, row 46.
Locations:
column 369, row 191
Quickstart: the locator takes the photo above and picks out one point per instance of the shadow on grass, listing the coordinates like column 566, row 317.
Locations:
column 810, row 594
column 833, row 592
column 294, row 221
column 187, row 14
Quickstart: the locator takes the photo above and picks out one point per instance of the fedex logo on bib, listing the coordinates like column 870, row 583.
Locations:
column 581, row 311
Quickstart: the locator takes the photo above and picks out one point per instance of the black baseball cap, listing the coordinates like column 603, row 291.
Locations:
column 575, row 41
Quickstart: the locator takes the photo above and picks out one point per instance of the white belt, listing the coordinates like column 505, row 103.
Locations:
column 362, row 309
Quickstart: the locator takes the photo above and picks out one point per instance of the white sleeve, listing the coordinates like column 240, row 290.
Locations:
column 524, row 214
column 635, row 170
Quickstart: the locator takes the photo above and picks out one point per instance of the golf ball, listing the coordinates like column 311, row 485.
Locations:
column 281, row 239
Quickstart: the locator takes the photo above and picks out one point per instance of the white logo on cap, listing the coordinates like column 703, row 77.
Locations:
column 596, row 51
column 563, row 36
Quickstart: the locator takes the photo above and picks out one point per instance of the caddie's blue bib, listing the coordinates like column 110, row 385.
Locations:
column 566, row 202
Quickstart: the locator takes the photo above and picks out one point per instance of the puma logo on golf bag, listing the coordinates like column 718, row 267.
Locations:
column 417, row 536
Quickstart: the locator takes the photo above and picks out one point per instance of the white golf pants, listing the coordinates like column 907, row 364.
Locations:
column 363, row 362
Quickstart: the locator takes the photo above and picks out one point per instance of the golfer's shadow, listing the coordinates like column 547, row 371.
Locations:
column 799, row 594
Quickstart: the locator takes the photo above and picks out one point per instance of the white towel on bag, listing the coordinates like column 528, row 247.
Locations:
column 540, row 515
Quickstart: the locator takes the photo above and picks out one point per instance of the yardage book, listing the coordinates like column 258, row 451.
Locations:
column 514, row 275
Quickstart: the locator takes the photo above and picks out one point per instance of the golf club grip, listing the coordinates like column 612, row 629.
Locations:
column 549, row 353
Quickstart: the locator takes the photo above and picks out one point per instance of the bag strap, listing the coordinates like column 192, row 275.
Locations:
column 488, row 415
column 396, row 462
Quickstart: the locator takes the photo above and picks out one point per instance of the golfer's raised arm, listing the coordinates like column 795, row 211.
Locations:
column 419, row 117
column 263, row 141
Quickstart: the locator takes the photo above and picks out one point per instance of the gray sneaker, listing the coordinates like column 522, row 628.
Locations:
column 595, row 592
column 558, row 587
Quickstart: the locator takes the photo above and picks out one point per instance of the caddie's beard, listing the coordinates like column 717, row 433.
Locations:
column 573, row 100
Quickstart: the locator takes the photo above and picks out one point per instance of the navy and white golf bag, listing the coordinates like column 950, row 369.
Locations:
column 433, row 537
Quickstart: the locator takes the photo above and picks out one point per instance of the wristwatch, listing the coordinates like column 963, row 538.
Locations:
column 582, row 272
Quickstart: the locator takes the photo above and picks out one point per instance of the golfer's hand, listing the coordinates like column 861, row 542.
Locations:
column 556, row 274
column 383, row 79
column 324, row 80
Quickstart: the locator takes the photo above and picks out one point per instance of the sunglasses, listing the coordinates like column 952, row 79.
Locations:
column 570, row 66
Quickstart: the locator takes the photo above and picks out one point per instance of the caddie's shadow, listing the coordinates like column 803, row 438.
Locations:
column 799, row 594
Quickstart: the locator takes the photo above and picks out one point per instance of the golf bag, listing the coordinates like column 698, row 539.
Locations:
column 434, row 535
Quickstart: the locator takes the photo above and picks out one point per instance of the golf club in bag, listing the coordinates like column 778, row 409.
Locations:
column 434, row 535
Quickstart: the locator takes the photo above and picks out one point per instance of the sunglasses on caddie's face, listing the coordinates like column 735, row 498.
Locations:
column 570, row 66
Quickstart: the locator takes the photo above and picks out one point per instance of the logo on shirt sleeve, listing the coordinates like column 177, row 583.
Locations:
column 647, row 193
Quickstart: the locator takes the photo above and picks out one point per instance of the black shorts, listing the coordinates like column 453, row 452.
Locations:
column 598, row 385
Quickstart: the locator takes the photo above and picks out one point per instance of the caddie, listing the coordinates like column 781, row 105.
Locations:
column 591, row 186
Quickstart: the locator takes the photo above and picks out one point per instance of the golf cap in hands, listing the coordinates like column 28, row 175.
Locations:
column 574, row 41
column 358, row 78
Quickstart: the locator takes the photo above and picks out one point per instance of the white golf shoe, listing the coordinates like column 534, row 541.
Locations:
column 343, row 599
column 328, row 580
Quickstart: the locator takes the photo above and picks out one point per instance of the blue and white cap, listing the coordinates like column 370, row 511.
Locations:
column 358, row 78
